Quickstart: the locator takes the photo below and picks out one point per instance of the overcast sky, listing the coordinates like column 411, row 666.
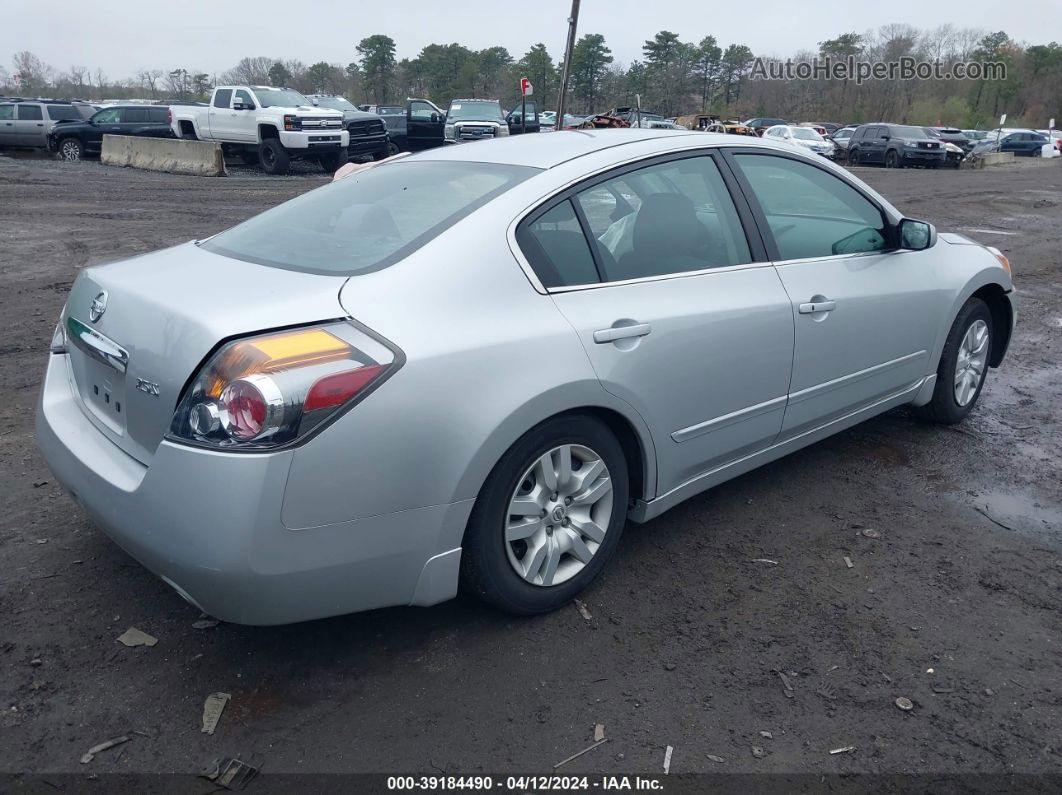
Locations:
column 123, row 36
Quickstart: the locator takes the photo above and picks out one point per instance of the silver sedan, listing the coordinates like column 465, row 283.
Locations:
column 471, row 367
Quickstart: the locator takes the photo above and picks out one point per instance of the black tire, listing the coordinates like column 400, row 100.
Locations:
column 852, row 157
column 331, row 161
column 892, row 160
column 485, row 567
column 392, row 148
column 70, row 150
column 272, row 157
column 944, row 408
column 249, row 157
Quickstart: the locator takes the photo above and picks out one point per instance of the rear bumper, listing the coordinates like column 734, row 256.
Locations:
column 209, row 524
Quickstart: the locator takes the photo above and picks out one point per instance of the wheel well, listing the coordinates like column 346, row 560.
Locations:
column 628, row 439
column 267, row 131
column 187, row 128
column 1002, row 320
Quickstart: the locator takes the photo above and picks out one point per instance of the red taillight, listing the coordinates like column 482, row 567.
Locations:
column 334, row 390
column 169, row 116
column 244, row 410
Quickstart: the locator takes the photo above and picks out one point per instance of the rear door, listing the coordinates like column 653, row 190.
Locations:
column 30, row 129
column 678, row 311
column 220, row 115
column 865, row 314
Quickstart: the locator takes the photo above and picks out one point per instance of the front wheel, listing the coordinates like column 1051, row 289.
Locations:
column 331, row 162
column 892, row 160
column 963, row 365
column 548, row 517
column 71, row 150
column 272, row 157
column 852, row 157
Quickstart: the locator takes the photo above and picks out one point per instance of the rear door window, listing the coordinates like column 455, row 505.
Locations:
column 222, row 97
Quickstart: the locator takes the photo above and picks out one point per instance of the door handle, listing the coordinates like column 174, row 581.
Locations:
column 817, row 306
column 604, row 335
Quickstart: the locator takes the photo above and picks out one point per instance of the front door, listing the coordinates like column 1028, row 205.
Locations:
column 865, row 314
column 651, row 266
column 424, row 125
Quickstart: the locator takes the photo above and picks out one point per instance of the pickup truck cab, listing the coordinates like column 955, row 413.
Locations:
column 474, row 120
column 412, row 128
column 367, row 131
column 266, row 125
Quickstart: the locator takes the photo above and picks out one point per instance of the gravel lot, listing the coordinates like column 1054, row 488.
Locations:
column 956, row 605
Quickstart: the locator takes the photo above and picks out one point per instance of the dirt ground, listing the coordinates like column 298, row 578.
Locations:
column 692, row 644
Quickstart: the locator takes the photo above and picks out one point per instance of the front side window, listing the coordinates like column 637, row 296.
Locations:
column 7, row 111
column 30, row 112
column 242, row 97
column 109, row 116
column 421, row 110
column 367, row 221
column 812, row 213
column 671, row 217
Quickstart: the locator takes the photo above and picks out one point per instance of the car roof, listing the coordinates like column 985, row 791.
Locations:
column 547, row 150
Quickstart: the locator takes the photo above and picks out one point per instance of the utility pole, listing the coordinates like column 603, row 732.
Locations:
column 573, row 22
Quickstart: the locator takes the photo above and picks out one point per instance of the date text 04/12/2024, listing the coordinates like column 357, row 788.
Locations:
column 523, row 783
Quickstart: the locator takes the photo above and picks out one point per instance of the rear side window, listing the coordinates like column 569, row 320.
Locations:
column 811, row 212
column 30, row 112
column 367, row 221
column 555, row 246
column 58, row 112
column 671, row 217
column 134, row 115
column 159, row 115
column 222, row 97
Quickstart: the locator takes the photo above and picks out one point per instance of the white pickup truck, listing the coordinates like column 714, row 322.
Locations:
column 265, row 125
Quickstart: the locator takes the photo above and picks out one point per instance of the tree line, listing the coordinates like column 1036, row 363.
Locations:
column 671, row 77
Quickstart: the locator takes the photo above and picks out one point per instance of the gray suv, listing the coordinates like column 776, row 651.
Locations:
column 895, row 146
column 27, row 122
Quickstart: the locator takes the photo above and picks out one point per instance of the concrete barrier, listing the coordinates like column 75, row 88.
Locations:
column 177, row 156
column 995, row 159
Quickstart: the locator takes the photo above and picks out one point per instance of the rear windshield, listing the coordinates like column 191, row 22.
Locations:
column 367, row 221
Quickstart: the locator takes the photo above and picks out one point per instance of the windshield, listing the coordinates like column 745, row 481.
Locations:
column 335, row 103
column 899, row 131
column 474, row 109
column 390, row 111
column 369, row 220
column 806, row 134
column 280, row 97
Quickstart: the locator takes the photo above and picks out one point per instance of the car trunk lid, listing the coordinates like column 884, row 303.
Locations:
column 139, row 329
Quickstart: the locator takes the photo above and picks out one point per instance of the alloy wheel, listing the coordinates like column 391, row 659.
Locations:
column 70, row 151
column 970, row 362
column 558, row 515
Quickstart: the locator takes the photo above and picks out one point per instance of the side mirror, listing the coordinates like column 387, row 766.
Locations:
column 886, row 137
column 434, row 118
column 242, row 106
column 917, row 235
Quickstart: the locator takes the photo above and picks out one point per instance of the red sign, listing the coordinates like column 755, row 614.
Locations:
column 526, row 89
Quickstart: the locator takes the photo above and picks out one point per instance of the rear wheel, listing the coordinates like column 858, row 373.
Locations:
column 71, row 150
column 272, row 157
column 963, row 365
column 548, row 518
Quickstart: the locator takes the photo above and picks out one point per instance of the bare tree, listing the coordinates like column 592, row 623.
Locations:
column 149, row 79
column 32, row 73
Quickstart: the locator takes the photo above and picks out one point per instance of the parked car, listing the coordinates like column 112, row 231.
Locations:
column 366, row 132
column 513, row 119
column 72, row 140
column 356, row 426
column 1025, row 143
column 841, row 138
column 975, row 135
column 266, row 125
column 951, row 135
column 474, row 120
column 831, row 127
column 814, row 126
column 759, row 126
column 1055, row 136
column 895, row 146
column 26, row 123
column 573, row 121
column 547, row 120
column 804, row 137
